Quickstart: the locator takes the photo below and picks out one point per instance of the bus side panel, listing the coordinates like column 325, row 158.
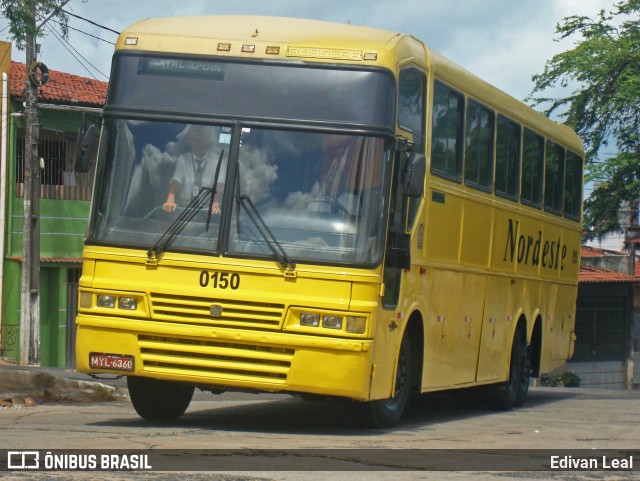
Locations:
column 502, row 301
column 468, row 324
column 443, row 290
column 476, row 233
column 504, row 247
column 558, row 329
column 453, row 327
column 444, row 226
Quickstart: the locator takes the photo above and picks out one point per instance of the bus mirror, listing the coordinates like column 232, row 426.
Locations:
column 415, row 171
column 84, row 146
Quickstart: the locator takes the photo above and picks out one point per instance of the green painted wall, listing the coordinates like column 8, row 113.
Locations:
column 63, row 224
column 11, row 314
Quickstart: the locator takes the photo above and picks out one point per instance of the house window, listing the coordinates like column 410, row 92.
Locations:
column 57, row 179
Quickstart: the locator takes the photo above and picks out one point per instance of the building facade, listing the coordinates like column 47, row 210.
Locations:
column 607, row 350
column 65, row 103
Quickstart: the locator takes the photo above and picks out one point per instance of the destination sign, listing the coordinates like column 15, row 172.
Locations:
column 182, row 68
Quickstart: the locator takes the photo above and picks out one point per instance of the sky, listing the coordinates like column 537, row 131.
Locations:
column 503, row 41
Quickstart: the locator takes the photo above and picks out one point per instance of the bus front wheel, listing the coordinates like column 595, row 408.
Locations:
column 157, row 400
column 386, row 413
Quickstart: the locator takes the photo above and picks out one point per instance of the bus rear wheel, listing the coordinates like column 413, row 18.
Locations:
column 158, row 400
column 514, row 392
column 387, row 413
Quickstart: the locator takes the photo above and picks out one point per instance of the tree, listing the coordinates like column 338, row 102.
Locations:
column 604, row 67
column 18, row 12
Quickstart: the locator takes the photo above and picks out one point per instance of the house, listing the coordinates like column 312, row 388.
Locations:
column 607, row 350
column 65, row 103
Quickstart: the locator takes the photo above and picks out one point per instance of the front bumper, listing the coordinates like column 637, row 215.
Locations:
column 230, row 359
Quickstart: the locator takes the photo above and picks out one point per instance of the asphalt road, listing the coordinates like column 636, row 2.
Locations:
column 553, row 419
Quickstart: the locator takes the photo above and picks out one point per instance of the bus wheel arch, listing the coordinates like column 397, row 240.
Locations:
column 387, row 413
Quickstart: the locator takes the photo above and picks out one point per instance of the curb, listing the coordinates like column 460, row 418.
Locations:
column 28, row 387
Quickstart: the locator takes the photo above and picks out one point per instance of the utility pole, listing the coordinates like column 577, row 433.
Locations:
column 30, row 293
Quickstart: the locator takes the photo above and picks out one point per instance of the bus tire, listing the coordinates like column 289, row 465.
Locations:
column 387, row 413
column 512, row 393
column 158, row 400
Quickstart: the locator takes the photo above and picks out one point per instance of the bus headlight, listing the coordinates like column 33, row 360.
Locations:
column 309, row 319
column 106, row 301
column 128, row 303
column 332, row 322
column 356, row 324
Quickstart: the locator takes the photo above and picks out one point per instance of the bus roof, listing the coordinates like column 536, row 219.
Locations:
column 257, row 29
column 321, row 41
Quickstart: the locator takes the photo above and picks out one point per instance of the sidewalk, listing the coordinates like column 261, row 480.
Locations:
column 29, row 386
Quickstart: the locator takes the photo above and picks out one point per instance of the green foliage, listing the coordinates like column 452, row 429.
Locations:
column 20, row 16
column 566, row 379
column 604, row 70
column 622, row 174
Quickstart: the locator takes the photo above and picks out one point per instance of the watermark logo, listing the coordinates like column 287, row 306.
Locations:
column 23, row 460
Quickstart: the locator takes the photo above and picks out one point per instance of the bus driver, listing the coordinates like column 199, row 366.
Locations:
column 194, row 170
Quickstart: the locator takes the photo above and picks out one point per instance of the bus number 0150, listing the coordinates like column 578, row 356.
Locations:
column 220, row 280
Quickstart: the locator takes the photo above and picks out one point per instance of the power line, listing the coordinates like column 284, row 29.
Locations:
column 65, row 43
column 90, row 21
column 87, row 34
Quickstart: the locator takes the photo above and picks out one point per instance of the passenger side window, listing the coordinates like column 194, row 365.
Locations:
column 532, row 163
column 447, row 130
column 411, row 105
column 573, row 186
column 553, row 178
column 508, row 140
column 413, row 86
column 478, row 167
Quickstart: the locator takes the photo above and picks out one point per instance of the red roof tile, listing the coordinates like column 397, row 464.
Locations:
column 61, row 89
column 588, row 251
column 595, row 274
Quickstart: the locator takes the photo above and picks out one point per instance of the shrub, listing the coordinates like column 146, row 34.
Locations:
column 566, row 379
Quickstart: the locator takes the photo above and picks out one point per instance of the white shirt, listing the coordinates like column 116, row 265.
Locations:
column 193, row 175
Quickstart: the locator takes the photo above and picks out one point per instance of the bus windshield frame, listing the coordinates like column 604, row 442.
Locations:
column 311, row 94
column 317, row 182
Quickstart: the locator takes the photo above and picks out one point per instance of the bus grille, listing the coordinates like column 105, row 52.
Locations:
column 198, row 311
column 223, row 359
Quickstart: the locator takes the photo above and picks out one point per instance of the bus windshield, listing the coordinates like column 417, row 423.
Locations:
column 320, row 197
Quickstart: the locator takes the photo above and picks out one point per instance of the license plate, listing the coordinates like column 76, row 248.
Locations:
column 118, row 362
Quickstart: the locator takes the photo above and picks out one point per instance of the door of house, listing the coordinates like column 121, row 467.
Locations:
column 600, row 331
column 73, row 277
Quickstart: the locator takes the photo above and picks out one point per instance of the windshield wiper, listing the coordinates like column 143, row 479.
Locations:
column 204, row 197
column 279, row 253
column 214, row 190
column 189, row 212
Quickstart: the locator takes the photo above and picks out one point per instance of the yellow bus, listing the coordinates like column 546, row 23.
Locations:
column 295, row 206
